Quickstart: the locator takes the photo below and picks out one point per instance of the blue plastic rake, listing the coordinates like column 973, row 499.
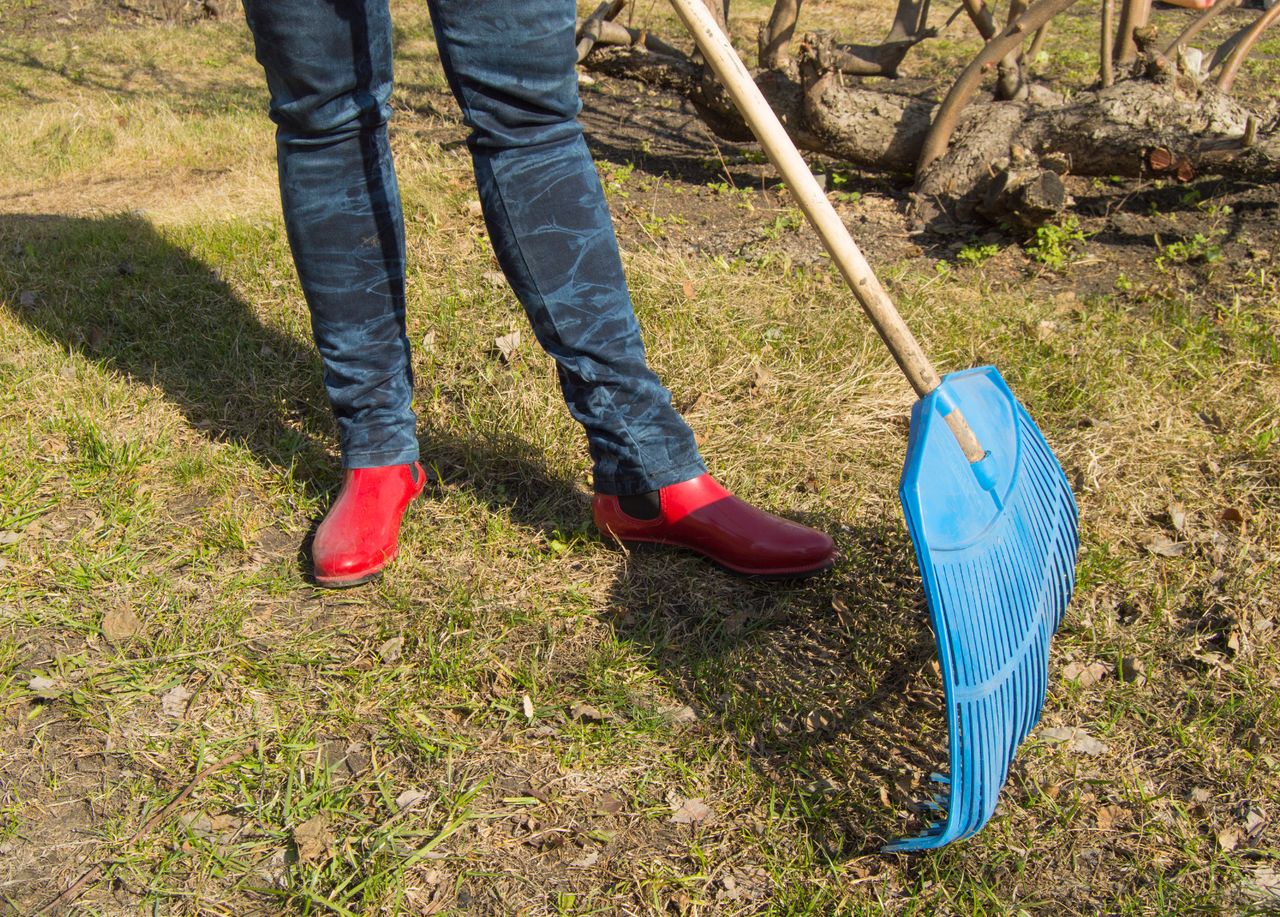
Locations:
column 996, row 544
column 987, row 505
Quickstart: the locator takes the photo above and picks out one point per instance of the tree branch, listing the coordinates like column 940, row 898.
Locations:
column 1197, row 24
column 1242, row 49
column 589, row 30
column 1106, row 55
column 1133, row 15
column 965, row 86
column 982, row 18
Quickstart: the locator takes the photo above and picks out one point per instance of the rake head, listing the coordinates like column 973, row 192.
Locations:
column 996, row 544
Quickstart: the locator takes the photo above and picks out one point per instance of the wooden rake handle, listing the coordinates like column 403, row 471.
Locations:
column 718, row 52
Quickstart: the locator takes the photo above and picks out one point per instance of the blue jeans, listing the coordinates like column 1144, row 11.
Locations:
column 511, row 65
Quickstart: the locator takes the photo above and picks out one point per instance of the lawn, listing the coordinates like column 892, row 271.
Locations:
column 521, row 717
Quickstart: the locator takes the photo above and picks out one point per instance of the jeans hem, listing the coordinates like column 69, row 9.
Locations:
column 633, row 486
column 381, row 459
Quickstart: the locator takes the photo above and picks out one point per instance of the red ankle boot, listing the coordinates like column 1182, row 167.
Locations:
column 359, row 535
column 704, row 517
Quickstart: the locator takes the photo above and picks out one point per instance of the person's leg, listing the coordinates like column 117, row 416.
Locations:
column 328, row 66
column 512, row 67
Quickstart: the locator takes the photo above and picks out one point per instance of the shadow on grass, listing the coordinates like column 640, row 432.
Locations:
column 825, row 686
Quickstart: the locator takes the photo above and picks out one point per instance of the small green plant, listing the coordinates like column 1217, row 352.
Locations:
column 1200, row 248
column 975, row 255
column 837, row 180
column 1053, row 244
column 617, row 179
column 656, row 226
column 789, row 221
column 1123, row 283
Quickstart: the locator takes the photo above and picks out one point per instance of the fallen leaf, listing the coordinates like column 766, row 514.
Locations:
column 680, row 715
column 199, row 824
column 1232, row 516
column 409, row 798
column 527, row 704
column 1085, row 675
column 507, row 345
column 120, row 624
column 1046, row 329
column 610, row 804
column 10, row 538
column 697, row 404
column 225, row 823
column 688, row 289
column 735, row 623
column 690, row 812
column 820, row 787
column 44, row 688
column 1133, row 671
column 1263, row 885
column 312, row 838
column 429, row 341
column 1200, row 795
column 27, row 299
column 174, row 702
column 729, row 888
column 1088, row 745
column 1251, row 819
column 1108, row 816
column 1076, row 739
column 389, row 651
column 760, row 377
column 1164, row 547
column 1177, row 517
column 474, row 208
column 586, row 712
column 1229, row 838
column 818, row 719
column 589, row 859
column 843, row 614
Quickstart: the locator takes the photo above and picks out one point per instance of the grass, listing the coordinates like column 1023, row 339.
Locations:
column 166, row 449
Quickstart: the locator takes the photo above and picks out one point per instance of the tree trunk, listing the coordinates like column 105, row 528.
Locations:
column 1133, row 16
column 1009, row 83
column 908, row 20
column 776, row 35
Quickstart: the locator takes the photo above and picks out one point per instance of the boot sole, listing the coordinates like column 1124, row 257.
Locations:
column 344, row 582
column 776, row 573
column 359, row 579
